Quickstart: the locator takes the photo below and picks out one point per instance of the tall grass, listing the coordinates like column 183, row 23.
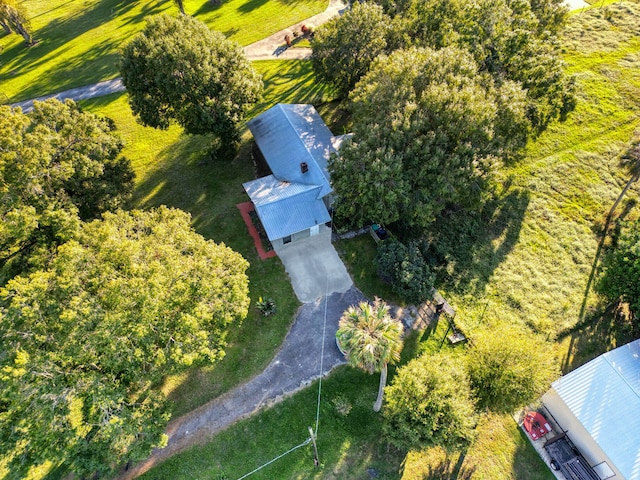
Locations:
column 570, row 177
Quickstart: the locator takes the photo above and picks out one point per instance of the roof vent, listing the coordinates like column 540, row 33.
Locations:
column 304, row 168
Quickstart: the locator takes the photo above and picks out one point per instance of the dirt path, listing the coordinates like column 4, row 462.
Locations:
column 295, row 366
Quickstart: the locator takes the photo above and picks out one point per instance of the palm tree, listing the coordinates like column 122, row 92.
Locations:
column 371, row 340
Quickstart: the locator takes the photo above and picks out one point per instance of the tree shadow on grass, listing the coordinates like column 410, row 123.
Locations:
column 248, row 7
column 293, row 81
column 89, row 67
column 469, row 246
column 601, row 330
column 208, row 6
column 451, row 468
column 630, row 159
column 184, row 178
column 527, row 463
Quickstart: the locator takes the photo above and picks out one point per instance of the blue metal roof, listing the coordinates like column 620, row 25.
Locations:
column 604, row 395
column 290, row 201
column 292, row 214
column 289, row 135
column 269, row 189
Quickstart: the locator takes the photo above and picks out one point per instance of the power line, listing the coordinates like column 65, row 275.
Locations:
column 324, row 329
column 306, row 442
column 313, row 435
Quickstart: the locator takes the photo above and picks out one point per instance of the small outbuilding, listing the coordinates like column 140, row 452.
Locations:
column 598, row 407
column 293, row 202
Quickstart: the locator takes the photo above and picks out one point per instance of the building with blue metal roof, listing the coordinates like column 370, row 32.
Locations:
column 598, row 406
column 293, row 201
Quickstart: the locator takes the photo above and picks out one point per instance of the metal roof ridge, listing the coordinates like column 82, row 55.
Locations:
column 310, row 188
column 281, row 105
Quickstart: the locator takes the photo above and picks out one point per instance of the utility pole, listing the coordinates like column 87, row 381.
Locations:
column 316, row 462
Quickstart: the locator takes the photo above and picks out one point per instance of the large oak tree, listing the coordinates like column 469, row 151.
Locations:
column 513, row 40
column 177, row 69
column 85, row 342
column 344, row 47
column 58, row 165
column 428, row 129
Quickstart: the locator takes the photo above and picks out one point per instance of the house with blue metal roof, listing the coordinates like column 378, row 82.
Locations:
column 598, row 407
column 293, row 202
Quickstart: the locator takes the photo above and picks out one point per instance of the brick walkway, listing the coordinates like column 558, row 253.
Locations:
column 246, row 208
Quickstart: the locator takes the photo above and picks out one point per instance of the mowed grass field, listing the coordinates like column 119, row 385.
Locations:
column 170, row 171
column 78, row 42
column 530, row 263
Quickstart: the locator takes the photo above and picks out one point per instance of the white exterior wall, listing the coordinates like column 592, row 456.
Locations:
column 577, row 433
column 321, row 230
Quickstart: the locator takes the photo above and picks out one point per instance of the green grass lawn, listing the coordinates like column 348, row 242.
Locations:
column 530, row 264
column 348, row 441
column 170, row 171
column 79, row 42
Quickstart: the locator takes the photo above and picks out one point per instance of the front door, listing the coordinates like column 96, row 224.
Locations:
column 314, row 230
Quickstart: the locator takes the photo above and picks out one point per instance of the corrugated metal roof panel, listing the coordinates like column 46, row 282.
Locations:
column 604, row 395
column 289, row 135
column 269, row 189
column 292, row 215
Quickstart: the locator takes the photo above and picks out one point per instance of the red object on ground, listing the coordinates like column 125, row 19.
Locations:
column 536, row 425
column 245, row 208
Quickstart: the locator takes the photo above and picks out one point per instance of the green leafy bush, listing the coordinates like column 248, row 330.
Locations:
column 429, row 403
column 266, row 307
column 405, row 267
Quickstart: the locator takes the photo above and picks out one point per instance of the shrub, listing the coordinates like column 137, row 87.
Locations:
column 509, row 367
column 429, row 403
column 266, row 307
column 405, row 267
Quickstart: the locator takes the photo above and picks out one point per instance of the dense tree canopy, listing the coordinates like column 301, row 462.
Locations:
column 371, row 340
column 177, row 69
column 427, row 130
column 58, row 165
column 620, row 278
column 510, row 367
column 344, row 48
column 429, row 403
column 137, row 296
column 513, row 40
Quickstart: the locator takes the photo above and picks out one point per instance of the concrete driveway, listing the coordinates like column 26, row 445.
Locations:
column 314, row 267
